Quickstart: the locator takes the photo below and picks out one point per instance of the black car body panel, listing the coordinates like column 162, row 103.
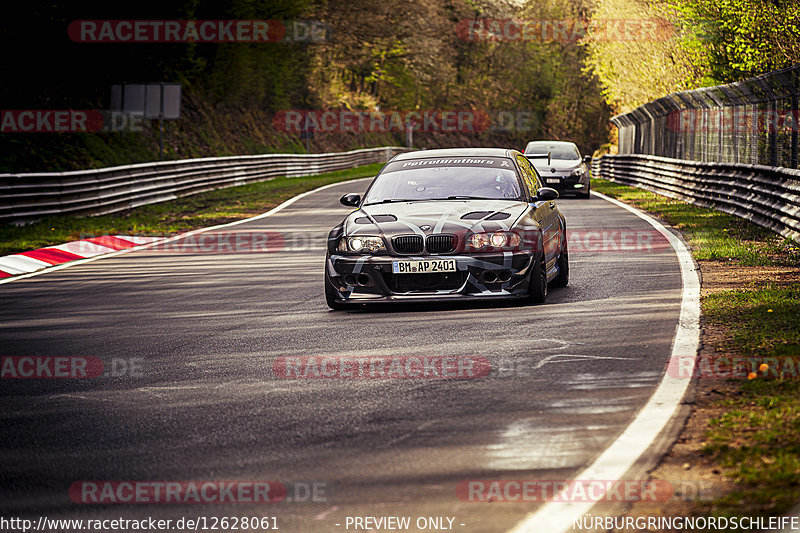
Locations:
column 438, row 232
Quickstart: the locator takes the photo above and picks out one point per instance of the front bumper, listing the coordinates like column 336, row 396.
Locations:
column 365, row 279
column 567, row 183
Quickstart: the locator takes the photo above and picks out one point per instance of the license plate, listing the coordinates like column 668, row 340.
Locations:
column 424, row 267
column 553, row 180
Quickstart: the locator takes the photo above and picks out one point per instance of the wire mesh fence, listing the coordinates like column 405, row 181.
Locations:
column 753, row 121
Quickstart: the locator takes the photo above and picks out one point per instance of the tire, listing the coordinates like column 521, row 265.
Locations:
column 588, row 193
column 562, row 280
column 537, row 284
column 330, row 295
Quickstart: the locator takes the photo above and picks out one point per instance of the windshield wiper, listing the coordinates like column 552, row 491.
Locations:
column 463, row 197
column 455, row 197
column 392, row 200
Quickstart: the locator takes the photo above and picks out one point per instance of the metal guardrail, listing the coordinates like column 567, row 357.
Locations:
column 594, row 167
column 753, row 121
column 767, row 196
column 108, row 190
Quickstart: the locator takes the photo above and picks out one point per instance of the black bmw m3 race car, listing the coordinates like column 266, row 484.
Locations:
column 445, row 225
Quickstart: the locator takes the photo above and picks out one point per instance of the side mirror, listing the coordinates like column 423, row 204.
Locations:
column 546, row 193
column 587, row 159
column 350, row 200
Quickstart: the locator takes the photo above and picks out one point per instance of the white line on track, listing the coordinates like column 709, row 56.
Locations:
column 271, row 212
column 558, row 516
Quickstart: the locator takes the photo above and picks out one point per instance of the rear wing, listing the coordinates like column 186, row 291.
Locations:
column 539, row 156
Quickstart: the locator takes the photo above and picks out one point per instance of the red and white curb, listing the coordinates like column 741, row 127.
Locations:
column 27, row 262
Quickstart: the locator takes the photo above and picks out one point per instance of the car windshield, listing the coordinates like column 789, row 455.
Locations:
column 445, row 182
column 557, row 151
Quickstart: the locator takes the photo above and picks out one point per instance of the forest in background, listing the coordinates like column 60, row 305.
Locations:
column 709, row 42
column 376, row 56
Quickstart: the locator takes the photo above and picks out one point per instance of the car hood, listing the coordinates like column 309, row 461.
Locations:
column 437, row 216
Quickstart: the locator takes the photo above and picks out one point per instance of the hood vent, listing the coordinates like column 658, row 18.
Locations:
column 475, row 215
column 376, row 218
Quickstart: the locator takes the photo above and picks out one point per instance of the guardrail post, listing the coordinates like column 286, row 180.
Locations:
column 772, row 130
column 735, row 133
column 795, row 126
column 720, row 111
column 755, row 155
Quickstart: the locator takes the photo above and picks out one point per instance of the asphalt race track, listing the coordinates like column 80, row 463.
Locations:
column 193, row 336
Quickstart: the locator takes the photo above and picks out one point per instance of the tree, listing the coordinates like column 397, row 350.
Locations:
column 730, row 40
column 637, row 67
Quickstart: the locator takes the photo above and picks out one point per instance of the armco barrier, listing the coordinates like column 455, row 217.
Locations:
column 767, row 196
column 594, row 167
column 107, row 190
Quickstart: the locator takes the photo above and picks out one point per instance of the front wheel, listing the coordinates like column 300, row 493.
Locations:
column 563, row 270
column 588, row 193
column 537, row 286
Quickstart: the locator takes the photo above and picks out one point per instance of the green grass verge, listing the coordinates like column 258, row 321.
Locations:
column 757, row 440
column 167, row 218
column 713, row 236
column 767, row 318
column 765, row 466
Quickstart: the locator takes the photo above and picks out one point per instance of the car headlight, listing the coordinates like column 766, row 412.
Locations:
column 496, row 240
column 361, row 243
column 479, row 240
column 577, row 172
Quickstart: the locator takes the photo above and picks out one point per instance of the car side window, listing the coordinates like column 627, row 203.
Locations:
column 536, row 177
column 529, row 175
